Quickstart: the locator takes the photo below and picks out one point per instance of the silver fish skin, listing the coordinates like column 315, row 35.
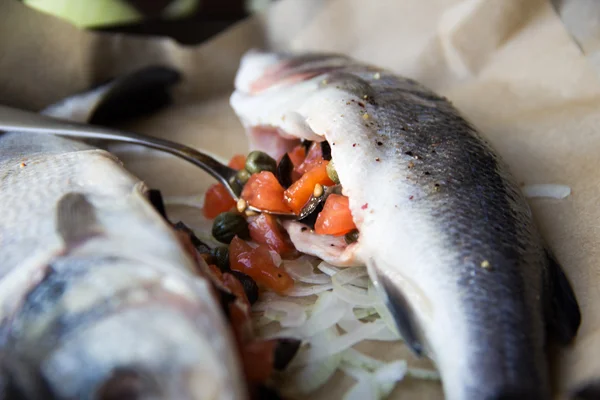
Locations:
column 98, row 298
column 445, row 232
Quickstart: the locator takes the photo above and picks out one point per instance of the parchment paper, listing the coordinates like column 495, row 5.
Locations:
column 510, row 66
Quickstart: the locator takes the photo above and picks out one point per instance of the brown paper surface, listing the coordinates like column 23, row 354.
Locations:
column 510, row 66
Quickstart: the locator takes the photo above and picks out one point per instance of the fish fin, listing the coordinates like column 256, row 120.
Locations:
column 563, row 316
column 76, row 219
column 139, row 93
column 400, row 309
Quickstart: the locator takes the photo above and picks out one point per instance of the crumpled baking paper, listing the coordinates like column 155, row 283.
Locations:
column 510, row 66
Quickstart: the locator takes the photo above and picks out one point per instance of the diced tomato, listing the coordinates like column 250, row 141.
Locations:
column 313, row 158
column 239, row 319
column 216, row 272
column 238, row 162
column 335, row 219
column 297, row 155
column 296, row 196
column 206, row 257
column 263, row 191
column 258, row 264
column 265, row 229
column 217, row 200
column 258, row 357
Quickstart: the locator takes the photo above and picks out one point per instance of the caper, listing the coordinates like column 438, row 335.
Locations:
column 351, row 236
column 332, row 173
column 258, row 161
column 229, row 224
column 242, row 176
column 221, row 257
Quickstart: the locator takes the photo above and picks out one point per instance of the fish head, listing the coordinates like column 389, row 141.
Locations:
column 145, row 336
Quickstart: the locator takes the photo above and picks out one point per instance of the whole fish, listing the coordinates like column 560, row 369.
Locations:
column 445, row 232
column 99, row 298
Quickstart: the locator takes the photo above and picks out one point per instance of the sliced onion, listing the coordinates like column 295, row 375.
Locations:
column 339, row 344
column 382, row 376
column 361, row 313
column 348, row 275
column 388, row 376
column 266, row 297
column 303, row 271
column 326, row 313
column 362, row 282
column 261, row 321
column 304, row 380
column 344, row 296
column 328, row 269
column 365, row 387
column 301, row 290
column 385, row 335
column 351, row 294
column 549, row 190
column 288, row 314
column 420, row 373
column 357, row 359
column 349, row 323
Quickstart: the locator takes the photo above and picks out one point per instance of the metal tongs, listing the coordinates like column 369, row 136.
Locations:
column 15, row 120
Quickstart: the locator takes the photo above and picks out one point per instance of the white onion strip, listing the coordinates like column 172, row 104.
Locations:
column 294, row 315
column 388, row 376
column 327, row 312
column 421, row 373
column 305, row 380
column 300, row 290
column 338, row 344
column 328, row 269
column 365, row 388
column 352, row 295
column 548, row 190
column 357, row 359
column 303, row 271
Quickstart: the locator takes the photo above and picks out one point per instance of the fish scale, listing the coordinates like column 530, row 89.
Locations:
column 447, row 237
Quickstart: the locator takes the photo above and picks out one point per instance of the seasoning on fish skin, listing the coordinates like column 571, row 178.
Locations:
column 422, row 253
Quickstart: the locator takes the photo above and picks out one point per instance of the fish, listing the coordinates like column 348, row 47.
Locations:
column 100, row 297
column 447, row 237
